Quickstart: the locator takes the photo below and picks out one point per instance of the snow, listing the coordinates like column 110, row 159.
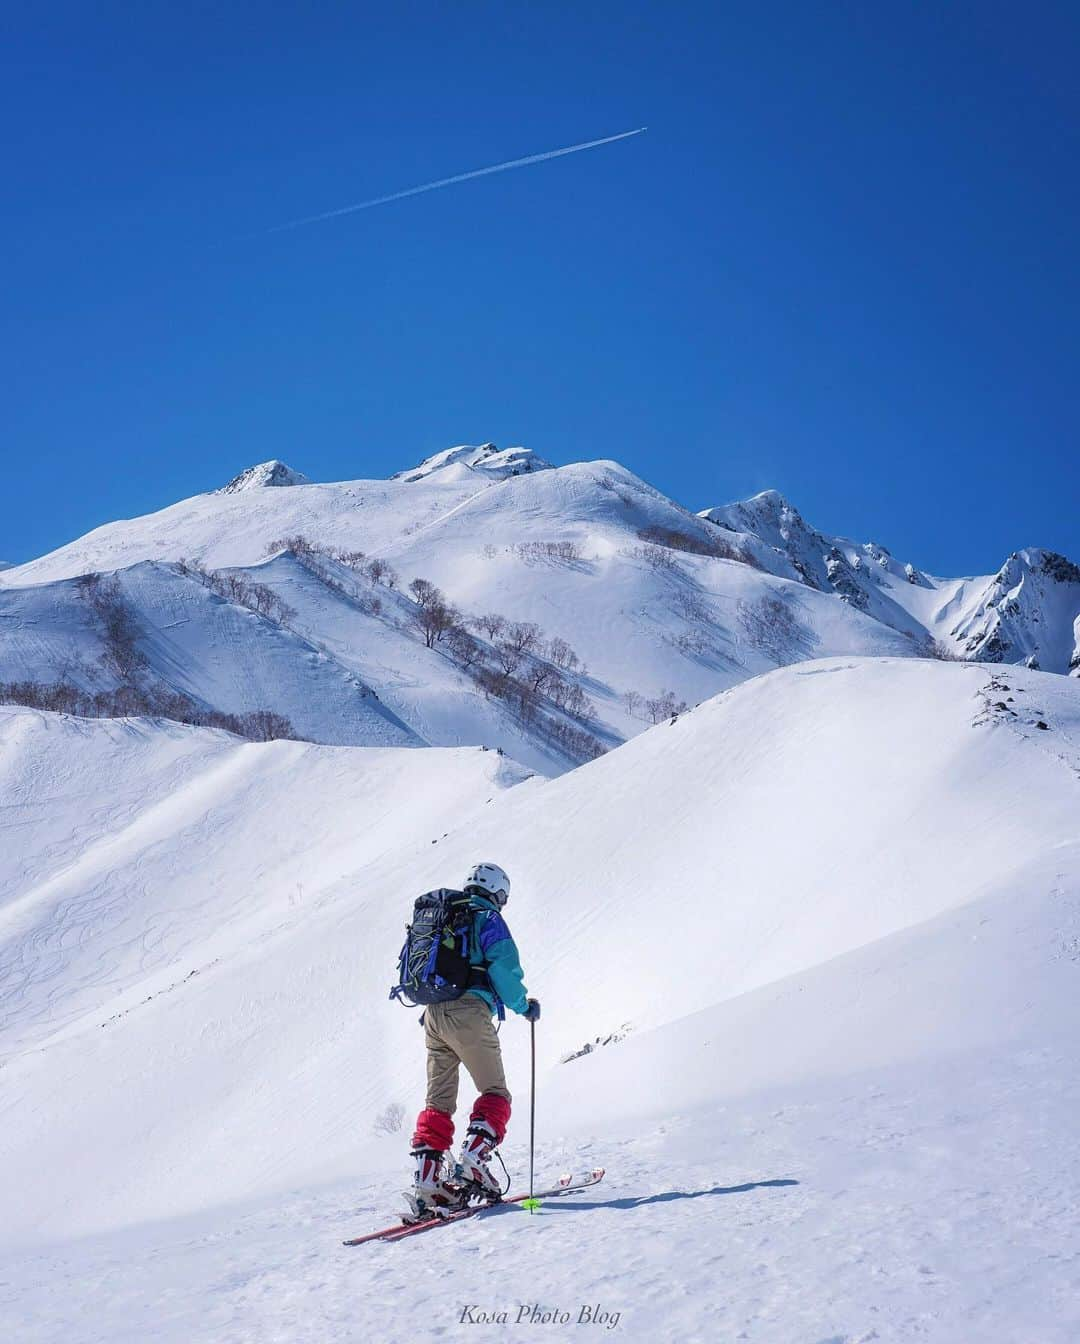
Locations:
column 835, row 910
column 692, row 626
column 465, row 519
column 420, row 686
column 264, row 474
column 807, row 954
column 1026, row 613
column 255, row 815
column 1030, row 614
column 220, row 654
column 492, row 462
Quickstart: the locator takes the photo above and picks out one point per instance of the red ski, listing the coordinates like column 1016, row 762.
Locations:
column 567, row 1186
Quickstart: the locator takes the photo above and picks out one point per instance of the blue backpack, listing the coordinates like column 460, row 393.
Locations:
column 434, row 964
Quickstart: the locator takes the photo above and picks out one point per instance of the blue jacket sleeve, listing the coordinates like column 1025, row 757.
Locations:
column 503, row 963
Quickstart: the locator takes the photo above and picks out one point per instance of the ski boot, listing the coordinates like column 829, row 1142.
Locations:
column 473, row 1167
column 432, row 1195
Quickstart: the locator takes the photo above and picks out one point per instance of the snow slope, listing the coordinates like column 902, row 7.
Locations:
column 654, row 600
column 492, row 462
column 382, row 648
column 694, row 623
column 1029, row 612
column 220, row 654
column 932, row 1198
column 567, row 548
column 236, row 526
column 844, row 957
column 807, row 954
column 149, row 849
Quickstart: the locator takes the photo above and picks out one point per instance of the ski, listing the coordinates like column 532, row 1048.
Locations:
column 567, row 1185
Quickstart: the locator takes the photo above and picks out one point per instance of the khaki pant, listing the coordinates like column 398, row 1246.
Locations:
column 456, row 1033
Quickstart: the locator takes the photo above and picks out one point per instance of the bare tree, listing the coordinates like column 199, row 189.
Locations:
column 463, row 648
column 577, row 743
column 257, row 597
column 390, row 1120
column 436, row 619
column 352, row 559
column 568, row 552
column 665, row 706
column 659, row 557
column 299, row 545
column 577, row 702
column 491, row 625
column 517, row 639
column 261, row 725
column 772, row 625
column 381, row 571
column 694, row 544
column 558, row 689
column 424, row 592
column 540, row 676
column 493, row 681
column 527, row 700
column 562, row 655
column 119, row 628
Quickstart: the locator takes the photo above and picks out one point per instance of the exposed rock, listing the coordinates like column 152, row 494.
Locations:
column 263, row 474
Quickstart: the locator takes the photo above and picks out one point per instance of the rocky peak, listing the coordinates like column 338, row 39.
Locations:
column 1056, row 567
column 486, row 458
column 263, row 474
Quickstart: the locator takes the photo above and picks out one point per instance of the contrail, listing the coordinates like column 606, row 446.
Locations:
column 458, row 177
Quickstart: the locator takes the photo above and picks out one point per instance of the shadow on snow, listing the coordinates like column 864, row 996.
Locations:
column 636, row 1203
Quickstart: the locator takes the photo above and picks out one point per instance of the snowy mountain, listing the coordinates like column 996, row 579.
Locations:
column 265, row 473
column 627, row 606
column 163, row 630
column 1029, row 612
column 835, row 961
column 491, row 462
column 807, row 951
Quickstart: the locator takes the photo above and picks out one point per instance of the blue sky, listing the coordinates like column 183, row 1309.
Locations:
column 841, row 263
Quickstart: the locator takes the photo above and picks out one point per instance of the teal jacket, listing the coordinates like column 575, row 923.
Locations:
column 492, row 947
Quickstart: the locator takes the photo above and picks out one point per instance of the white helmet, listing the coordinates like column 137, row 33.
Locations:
column 491, row 880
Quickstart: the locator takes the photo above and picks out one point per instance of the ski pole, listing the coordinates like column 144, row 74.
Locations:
column 532, row 1107
column 531, row 1202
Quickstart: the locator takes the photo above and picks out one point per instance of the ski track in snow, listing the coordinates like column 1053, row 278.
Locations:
column 882, row 1209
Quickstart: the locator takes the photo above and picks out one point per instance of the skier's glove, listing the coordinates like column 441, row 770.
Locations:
column 532, row 1013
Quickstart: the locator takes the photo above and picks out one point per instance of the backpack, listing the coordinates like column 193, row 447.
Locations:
column 434, row 964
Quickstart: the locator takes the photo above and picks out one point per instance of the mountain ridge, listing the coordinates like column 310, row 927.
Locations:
column 655, row 607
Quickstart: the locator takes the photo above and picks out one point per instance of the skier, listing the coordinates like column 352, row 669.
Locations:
column 461, row 1031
